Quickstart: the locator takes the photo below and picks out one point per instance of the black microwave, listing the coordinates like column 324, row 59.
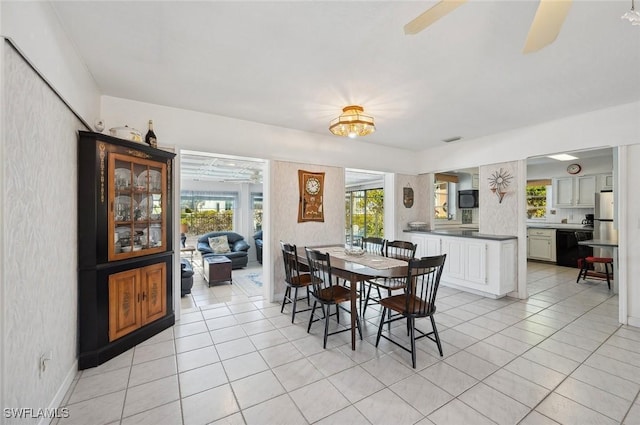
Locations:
column 468, row 198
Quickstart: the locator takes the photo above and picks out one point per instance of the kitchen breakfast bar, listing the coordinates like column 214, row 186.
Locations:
column 478, row 263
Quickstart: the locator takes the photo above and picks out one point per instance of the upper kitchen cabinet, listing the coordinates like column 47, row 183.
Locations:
column 574, row 192
column 604, row 182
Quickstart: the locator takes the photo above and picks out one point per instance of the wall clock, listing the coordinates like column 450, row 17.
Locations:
column 311, row 187
column 574, row 168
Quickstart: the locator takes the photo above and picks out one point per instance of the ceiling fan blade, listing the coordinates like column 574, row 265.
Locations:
column 427, row 18
column 546, row 24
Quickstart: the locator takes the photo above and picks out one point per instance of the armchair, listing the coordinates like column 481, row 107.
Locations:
column 258, row 238
column 238, row 248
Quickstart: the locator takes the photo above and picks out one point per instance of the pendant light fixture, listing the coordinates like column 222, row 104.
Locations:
column 632, row 15
column 352, row 123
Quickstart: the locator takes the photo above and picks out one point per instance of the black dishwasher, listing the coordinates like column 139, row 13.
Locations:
column 567, row 249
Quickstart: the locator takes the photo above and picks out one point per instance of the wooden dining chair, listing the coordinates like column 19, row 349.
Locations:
column 422, row 282
column 327, row 293
column 374, row 245
column 294, row 278
column 400, row 250
column 586, row 262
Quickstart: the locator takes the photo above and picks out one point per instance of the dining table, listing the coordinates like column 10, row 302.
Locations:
column 355, row 268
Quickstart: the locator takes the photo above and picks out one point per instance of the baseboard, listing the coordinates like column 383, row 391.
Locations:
column 633, row 321
column 62, row 391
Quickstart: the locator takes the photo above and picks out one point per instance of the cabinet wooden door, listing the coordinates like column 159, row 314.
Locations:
column 539, row 247
column 154, row 304
column 476, row 264
column 137, row 207
column 124, row 308
column 455, row 264
column 421, row 247
column 563, row 192
column 585, row 191
column 432, row 246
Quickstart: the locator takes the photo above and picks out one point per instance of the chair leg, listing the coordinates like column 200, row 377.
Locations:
column 358, row 326
column 287, row 294
column 435, row 333
column 366, row 302
column 384, row 311
column 606, row 270
column 295, row 300
column 326, row 326
column 388, row 313
column 411, row 323
column 337, row 313
column 313, row 310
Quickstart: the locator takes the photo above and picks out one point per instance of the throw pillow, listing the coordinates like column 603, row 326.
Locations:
column 219, row 244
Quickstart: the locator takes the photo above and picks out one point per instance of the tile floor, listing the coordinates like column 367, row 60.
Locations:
column 558, row 357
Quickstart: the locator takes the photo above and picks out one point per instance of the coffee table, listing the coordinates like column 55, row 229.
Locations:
column 217, row 269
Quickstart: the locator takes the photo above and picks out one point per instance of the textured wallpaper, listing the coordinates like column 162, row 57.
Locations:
column 40, row 236
column 499, row 218
column 418, row 212
column 284, row 213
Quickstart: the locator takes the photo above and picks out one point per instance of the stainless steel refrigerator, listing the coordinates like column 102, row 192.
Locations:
column 603, row 223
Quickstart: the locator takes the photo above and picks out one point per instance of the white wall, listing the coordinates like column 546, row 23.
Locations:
column 618, row 125
column 34, row 28
column 590, row 166
column 39, row 227
column 283, row 214
column 212, row 133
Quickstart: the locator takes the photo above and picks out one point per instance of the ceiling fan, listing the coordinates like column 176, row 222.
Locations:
column 544, row 29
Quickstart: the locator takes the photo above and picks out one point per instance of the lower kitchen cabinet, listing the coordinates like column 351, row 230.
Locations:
column 136, row 297
column 482, row 266
column 541, row 244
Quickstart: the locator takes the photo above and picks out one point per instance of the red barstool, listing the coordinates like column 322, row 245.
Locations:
column 586, row 264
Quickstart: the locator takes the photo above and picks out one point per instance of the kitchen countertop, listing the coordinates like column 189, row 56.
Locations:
column 606, row 243
column 460, row 233
column 559, row 226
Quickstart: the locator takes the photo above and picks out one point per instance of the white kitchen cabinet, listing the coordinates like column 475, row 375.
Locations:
column 475, row 181
column 574, row 192
column 541, row 244
column 454, row 265
column 426, row 245
column 563, row 192
column 604, row 182
column 481, row 266
column 474, row 264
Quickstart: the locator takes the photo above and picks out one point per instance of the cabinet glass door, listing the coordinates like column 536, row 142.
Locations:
column 137, row 213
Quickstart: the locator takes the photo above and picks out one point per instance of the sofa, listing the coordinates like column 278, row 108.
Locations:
column 186, row 272
column 238, row 248
column 258, row 238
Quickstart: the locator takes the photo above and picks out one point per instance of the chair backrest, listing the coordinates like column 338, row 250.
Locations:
column 291, row 264
column 401, row 250
column 583, row 250
column 320, row 269
column 423, row 280
column 374, row 245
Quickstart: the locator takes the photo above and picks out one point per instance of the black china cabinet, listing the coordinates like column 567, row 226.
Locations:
column 125, row 253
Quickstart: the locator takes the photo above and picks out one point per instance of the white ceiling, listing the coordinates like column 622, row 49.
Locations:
column 297, row 63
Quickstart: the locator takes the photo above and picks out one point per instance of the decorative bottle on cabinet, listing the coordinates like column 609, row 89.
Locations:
column 150, row 138
column 125, row 252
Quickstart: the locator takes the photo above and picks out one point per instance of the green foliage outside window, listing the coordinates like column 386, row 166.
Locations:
column 364, row 214
column 536, row 201
column 201, row 222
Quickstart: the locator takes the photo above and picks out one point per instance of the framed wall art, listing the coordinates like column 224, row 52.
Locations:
column 311, row 187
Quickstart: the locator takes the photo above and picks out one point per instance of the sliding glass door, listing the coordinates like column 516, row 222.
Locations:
column 364, row 214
